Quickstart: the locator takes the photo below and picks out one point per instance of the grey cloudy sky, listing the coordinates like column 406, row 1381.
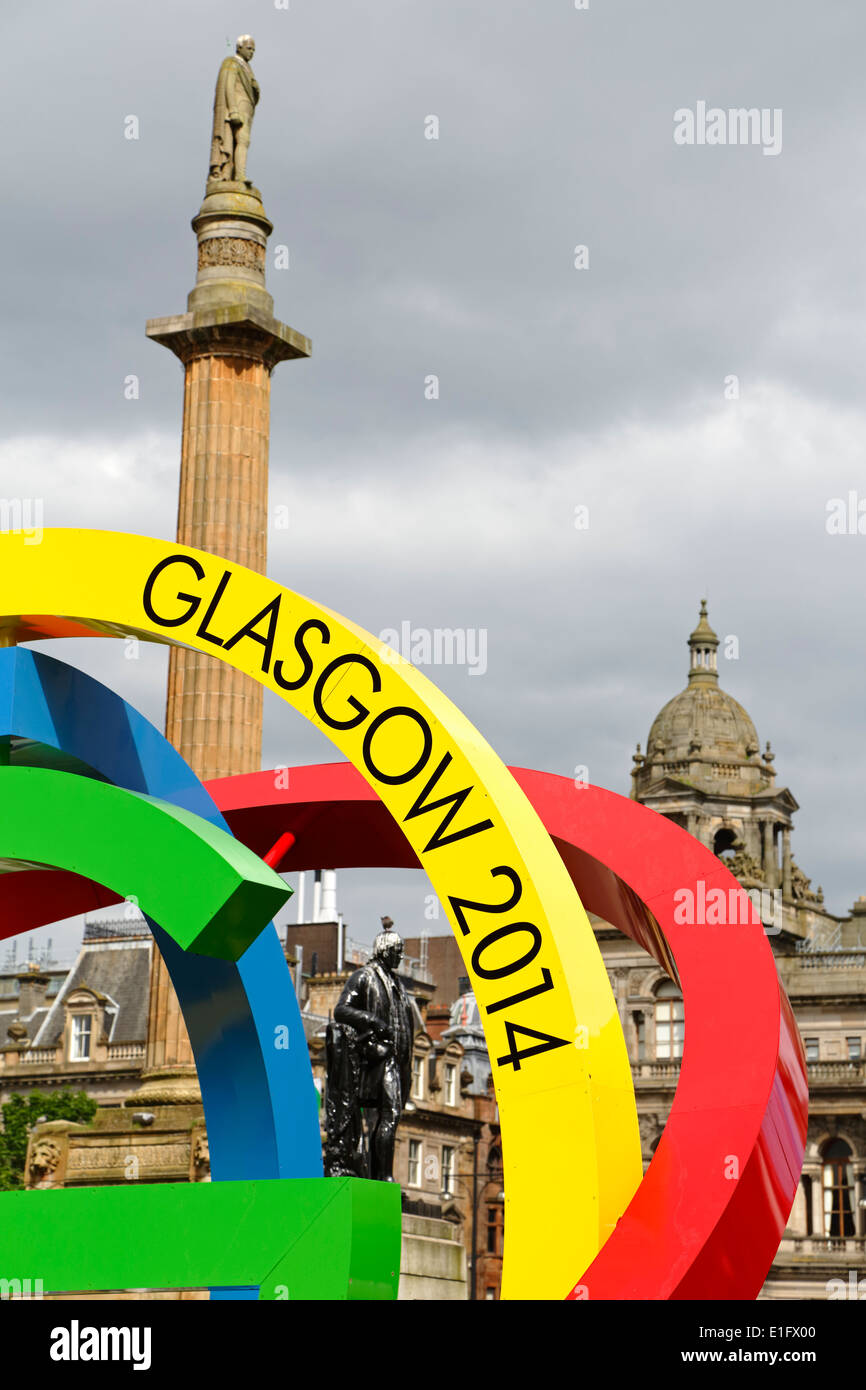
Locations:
column 602, row 387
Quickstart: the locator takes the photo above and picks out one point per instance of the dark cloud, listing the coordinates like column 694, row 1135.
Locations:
column 558, row 387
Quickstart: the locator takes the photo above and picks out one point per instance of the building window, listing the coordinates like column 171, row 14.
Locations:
column 417, row 1077
column 494, row 1228
column 447, row 1170
column 811, row 1045
column 414, row 1178
column 79, row 1048
column 490, row 1293
column 670, row 1022
column 838, row 1189
column 855, row 1050
column 450, row 1084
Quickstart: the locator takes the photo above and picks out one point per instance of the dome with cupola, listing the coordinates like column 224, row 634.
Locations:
column 703, row 735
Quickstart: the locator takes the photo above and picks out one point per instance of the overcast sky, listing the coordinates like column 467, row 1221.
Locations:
column 602, row 387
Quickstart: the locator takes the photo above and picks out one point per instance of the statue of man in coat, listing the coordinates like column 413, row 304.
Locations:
column 369, row 1058
column 235, row 100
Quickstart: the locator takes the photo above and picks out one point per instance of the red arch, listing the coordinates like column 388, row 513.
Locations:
column 706, row 1221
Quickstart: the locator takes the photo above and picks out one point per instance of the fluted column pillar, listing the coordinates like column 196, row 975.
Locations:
column 769, row 866
column 213, row 712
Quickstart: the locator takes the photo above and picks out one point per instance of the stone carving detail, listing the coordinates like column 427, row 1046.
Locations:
column 232, row 251
column 44, row 1161
column 745, row 868
column 147, row 1155
column 650, row 1128
column 801, row 886
column 201, row 1159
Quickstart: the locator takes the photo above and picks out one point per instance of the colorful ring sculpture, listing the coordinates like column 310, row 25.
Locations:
column 536, row 967
column 210, row 893
column 706, row 1221
column 572, row 1163
column 260, row 1103
column 311, row 1238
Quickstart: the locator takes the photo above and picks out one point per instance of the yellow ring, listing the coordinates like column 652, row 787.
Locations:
column 571, row 1149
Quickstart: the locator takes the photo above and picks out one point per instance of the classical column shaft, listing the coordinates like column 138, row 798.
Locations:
column 214, row 713
column 818, row 1203
column 787, row 888
column 769, row 866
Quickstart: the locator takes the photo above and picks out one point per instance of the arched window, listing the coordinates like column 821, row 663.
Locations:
column 724, row 842
column 838, row 1189
column 670, row 1022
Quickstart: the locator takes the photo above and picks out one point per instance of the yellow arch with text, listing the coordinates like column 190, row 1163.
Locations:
column 571, row 1150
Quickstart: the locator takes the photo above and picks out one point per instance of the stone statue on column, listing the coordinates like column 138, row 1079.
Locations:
column 369, row 1060
column 235, row 100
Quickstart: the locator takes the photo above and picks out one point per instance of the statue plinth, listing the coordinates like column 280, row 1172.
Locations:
column 169, row 1086
column 229, row 311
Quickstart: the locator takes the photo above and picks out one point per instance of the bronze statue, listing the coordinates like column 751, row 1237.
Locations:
column 369, row 1058
column 235, row 100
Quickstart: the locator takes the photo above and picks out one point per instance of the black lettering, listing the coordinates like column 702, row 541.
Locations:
column 392, row 779
column 311, row 625
column 362, row 710
column 546, row 984
column 193, row 602
column 266, row 640
column 514, row 1056
column 454, row 801
column 499, row 935
column 458, row 904
column 211, row 609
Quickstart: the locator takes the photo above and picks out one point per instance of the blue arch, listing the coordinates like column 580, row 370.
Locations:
column 260, row 1103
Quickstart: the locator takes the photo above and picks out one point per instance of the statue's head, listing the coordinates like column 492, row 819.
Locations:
column 388, row 946
column 246, row 46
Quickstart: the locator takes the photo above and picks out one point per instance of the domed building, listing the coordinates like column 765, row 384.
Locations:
column 466, row 1028
column 703, row 769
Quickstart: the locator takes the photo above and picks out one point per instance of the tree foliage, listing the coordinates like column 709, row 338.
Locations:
column 21, row 1113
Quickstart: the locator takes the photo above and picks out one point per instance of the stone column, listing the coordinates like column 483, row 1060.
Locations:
column 229, row 343
column 818, row 1203
column 787, row 887
column 769, row 866
column 797, row 1219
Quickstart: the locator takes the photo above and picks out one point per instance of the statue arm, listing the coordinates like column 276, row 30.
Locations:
column 352, row 1007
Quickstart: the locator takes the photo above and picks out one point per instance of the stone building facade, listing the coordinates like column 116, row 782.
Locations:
column 703, row 769
column 84, row 1027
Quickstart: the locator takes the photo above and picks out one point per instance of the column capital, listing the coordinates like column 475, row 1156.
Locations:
column 235, row 330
